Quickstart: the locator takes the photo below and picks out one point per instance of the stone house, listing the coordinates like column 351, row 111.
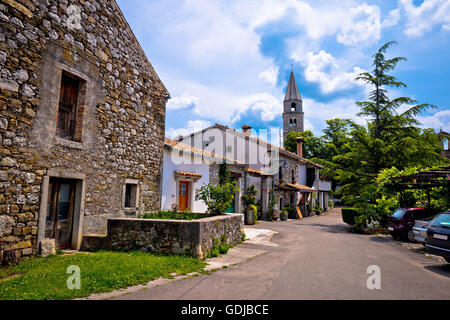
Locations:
column 82, row 115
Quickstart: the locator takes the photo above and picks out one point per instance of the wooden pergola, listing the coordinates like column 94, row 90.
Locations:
column 425, row 180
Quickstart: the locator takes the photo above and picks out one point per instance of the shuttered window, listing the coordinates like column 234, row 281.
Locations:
column 67, row 111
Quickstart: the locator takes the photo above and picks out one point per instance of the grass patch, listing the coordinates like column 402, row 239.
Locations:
column 171, row 215
column 46, row 278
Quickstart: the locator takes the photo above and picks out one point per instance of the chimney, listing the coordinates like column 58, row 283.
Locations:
column 300, row 141
column 247, row 130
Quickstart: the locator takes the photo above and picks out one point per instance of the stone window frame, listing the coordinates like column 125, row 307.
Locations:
column 78, row 214
column 130, row 210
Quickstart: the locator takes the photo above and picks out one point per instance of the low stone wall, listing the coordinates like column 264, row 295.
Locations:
column 193, row 238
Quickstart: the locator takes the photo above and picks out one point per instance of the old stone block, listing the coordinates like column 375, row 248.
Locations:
column 47, row 247
column 27, row 252
column 6, row 225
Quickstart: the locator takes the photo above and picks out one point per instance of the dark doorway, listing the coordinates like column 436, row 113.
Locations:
column 60, row 210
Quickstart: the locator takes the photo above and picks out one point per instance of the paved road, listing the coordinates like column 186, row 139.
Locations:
column 316, row 258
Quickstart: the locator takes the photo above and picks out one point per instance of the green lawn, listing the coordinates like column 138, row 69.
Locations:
column 46, row 278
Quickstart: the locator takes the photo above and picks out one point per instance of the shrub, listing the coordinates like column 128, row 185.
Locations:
column 349, row 215
column 360, row 223
column 249, row 197
column 218, row 198
column 254, row 211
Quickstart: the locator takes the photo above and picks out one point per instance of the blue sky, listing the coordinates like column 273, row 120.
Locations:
column 229, row 61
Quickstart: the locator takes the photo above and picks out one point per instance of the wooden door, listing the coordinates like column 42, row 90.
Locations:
column 183, row 196
column 60, row 206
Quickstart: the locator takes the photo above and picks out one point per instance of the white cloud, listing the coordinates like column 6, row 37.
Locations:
column 361, row 26
column 267, row 105
column 437, row 121
column 350, row 22
column 270, row 76
column 424, row 18
column 182, row 102
column 191, row 127
column 325, row 70
column 392, row 19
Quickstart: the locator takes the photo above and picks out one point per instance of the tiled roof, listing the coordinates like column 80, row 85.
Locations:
column 301, row 187
column 258, row 172
column 189, row 174
column 176, row 145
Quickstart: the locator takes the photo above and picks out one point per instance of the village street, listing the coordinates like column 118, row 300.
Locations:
column 316, row 258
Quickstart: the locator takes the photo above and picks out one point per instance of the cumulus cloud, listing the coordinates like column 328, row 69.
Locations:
column 392, row 19
column 182, row 102
column 439, row 120
column 270, row 76
column 422, row 19
column 191, row 127
column 325, row 70
column 361, row 26
column 265, row 104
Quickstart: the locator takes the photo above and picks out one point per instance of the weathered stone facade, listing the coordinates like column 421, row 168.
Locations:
column 120, row 117
column 195, row 238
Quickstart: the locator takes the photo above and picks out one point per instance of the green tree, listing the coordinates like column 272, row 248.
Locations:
column 389, row 139
column 313, row 147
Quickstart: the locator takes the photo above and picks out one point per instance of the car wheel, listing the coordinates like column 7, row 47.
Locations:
column 411, row 236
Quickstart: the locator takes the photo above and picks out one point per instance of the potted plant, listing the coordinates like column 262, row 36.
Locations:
column 284, row 215
column 252, row 215
column 317, row 210
column 249, row 200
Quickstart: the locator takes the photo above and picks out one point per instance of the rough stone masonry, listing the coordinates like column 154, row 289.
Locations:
column 118, row 128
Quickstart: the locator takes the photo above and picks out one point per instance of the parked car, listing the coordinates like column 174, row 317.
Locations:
column 438, row 236
column 420, row 229
column 337, row 202
column 402, row 221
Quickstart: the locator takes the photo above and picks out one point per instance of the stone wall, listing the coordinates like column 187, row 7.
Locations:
column 193, row 238
column 122, row 113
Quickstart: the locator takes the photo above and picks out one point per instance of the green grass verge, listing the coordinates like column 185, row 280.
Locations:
column 46, row 278
column 170, row 215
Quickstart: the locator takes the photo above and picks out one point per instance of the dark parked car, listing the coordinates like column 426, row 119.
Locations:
column 402, row 221
column 438, row 236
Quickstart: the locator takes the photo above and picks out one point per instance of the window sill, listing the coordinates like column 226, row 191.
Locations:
column 69, row 144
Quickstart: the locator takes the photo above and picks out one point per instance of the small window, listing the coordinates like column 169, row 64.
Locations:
column 69, row 115
column 293, row 107
column 130, row 195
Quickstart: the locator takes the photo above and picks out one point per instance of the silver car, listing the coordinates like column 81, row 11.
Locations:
column 420, row 230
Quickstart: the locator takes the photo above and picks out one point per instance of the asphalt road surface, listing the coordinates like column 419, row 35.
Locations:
column 316, row 258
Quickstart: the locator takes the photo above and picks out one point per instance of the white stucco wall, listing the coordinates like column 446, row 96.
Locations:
column 169, row 185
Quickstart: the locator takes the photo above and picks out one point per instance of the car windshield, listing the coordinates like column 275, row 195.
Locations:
column 442, row 221
column 398, row 213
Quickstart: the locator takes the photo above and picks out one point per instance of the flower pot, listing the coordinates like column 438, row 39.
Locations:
column 283, row 216
column 249, row 218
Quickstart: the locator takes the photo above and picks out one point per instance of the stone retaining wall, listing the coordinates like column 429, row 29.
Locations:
column 193, row 238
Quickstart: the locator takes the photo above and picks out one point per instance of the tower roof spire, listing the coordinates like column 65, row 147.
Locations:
column 292, row 92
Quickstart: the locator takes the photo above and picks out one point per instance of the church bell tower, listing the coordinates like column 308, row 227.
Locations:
column 293, row 115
